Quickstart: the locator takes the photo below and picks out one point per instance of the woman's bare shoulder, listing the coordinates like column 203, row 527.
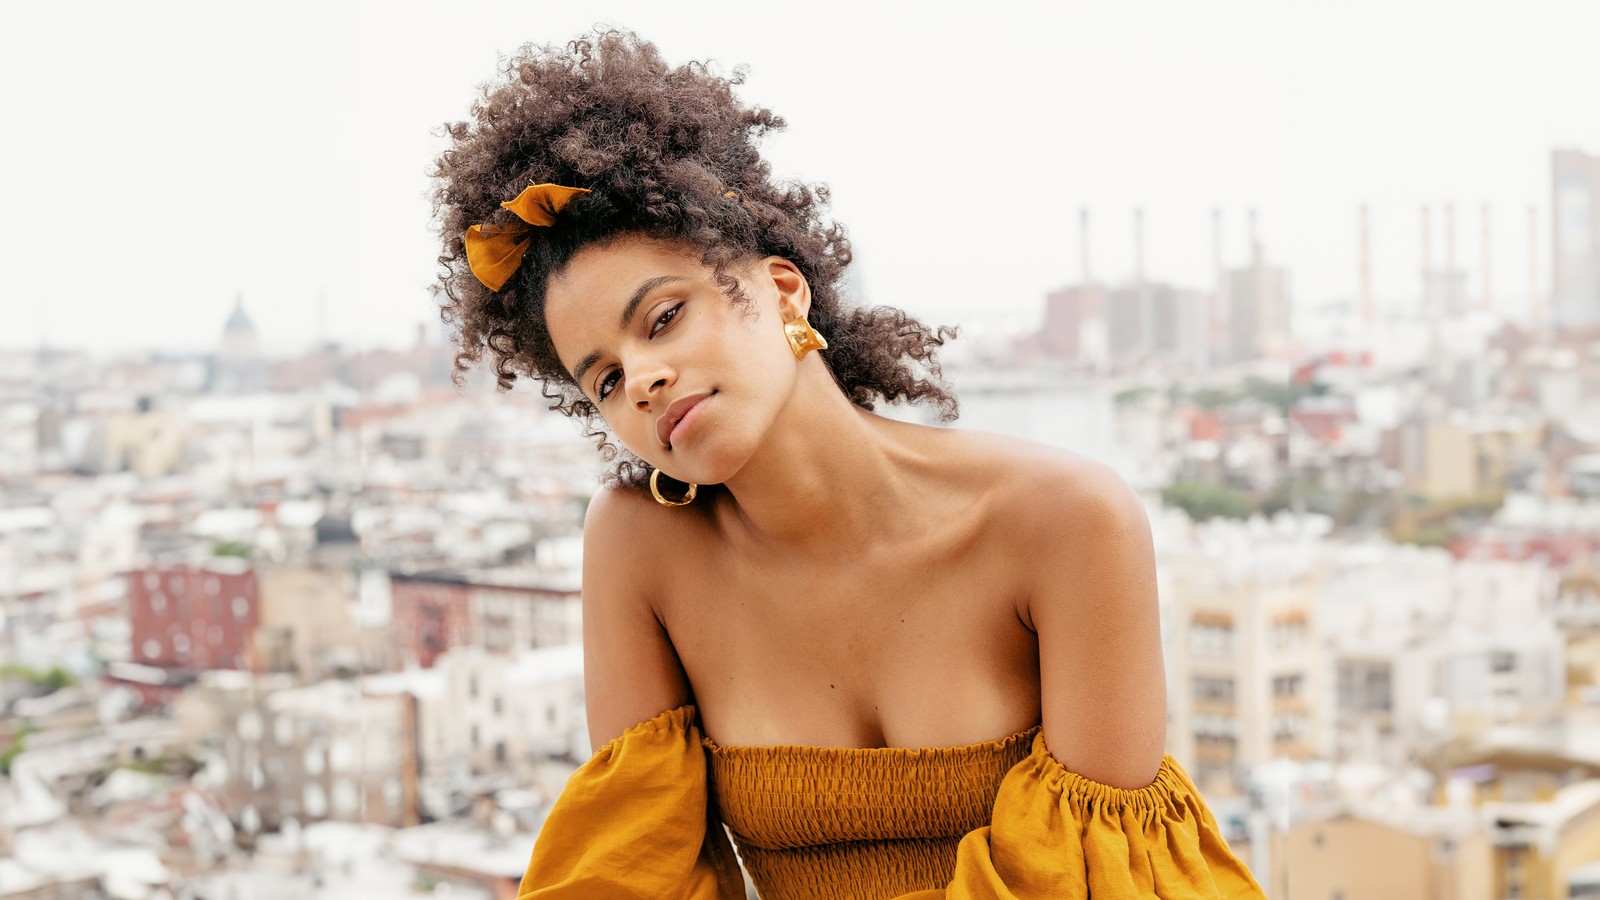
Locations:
column 1023, row 471
column 621, row 513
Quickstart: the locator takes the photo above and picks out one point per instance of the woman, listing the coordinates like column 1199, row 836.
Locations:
column 895, row 660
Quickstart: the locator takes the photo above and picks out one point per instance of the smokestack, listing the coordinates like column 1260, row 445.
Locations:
column 1427, row 262
column 1255, row 240
column 1488, row 260
column 1452, row 302
column 1449, row 237
column 1535, row 308
column 1366, row 267
column 1216, row 310
column 1083, row 243
column 1138, row 245
column 1216, row 240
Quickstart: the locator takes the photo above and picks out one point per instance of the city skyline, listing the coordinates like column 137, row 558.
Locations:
column 314, row 173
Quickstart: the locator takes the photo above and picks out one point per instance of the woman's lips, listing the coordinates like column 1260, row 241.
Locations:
column 675, row 415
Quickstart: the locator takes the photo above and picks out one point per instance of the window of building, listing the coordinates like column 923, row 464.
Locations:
column 1446, row 851
column 474, row 737
column 316, row 801
column 1210, row 638
column 1288, row 685
column 1516, row 876
column 497, row 632
column 1292, row 727
column 498, row 704
column 472, row 687
column 499, row 751
column 158, row 602
column 1287, row 633
column 1213, row 689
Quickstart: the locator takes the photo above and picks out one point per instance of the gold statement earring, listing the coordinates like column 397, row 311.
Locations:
column 802, row 337
column 655, row 491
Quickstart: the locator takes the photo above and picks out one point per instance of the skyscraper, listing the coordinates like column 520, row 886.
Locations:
column 1575, row 249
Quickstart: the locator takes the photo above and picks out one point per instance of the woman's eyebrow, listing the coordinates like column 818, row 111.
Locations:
column 639, row 293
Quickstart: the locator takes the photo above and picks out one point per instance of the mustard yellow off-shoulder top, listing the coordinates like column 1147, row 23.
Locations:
column 1000, row 819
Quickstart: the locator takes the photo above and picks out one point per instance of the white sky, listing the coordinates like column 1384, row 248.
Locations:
column 156, row 158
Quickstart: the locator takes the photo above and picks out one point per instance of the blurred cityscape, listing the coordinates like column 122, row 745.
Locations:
column 309, row 626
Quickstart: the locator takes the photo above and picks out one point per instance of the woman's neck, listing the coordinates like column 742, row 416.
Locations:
column 829, row 475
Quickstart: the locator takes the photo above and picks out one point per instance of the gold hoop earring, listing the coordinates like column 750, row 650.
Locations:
column 655, row 491
column 802, row 337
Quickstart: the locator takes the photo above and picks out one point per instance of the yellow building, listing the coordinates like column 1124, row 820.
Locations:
column 1461, row 456
column 148, row 443
column 1539, row 795
column 1437, row 854
column 1541, row 847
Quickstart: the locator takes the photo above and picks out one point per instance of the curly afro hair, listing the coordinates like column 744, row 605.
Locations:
column 668, row 153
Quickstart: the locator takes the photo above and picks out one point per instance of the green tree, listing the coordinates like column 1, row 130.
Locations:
column 1202, row 501
column 232, row 548
column 14, row 749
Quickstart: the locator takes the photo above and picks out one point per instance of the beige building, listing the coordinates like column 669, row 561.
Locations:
column 148, row 443
column 307, row 626
column 1435, row 855
column 486, row 719
column 1245, row 668
column 1460, row 456
column 323, row 752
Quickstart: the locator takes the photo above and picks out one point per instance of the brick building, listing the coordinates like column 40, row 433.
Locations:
column 186, row 619
column 433, row 611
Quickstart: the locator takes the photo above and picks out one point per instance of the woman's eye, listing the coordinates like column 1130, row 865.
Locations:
column 607, row 384
column 665, row 318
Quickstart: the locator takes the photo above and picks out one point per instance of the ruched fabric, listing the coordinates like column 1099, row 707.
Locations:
column 636, row 821
column 856, row 822
column 643, row 818
column 1058, row 834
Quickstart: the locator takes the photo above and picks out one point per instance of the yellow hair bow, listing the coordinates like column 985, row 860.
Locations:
column 495, row 251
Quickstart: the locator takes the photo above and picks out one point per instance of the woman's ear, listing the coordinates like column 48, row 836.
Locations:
column 794, row 292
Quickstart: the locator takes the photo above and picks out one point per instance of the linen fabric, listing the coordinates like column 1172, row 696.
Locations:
column 644, row 817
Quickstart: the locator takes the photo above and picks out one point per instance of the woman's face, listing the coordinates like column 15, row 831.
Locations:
column 686, row 379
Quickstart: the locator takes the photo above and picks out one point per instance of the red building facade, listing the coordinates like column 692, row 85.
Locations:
column 188, row 618
column 429, row 614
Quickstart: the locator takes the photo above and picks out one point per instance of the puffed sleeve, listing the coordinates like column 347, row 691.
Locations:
column 637, row 820
column 1057, row 834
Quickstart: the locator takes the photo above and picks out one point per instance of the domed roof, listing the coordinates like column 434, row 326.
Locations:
column 239, row 321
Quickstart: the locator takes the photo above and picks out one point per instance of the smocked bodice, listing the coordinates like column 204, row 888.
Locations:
column 857, row 822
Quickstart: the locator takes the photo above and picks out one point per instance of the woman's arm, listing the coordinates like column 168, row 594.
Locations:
column 1094, row 609
column 630, row 670
column 1097, row 809
column 636, row 821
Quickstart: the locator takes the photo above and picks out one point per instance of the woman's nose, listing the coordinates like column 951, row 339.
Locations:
column 644, row 402
column 646, row 383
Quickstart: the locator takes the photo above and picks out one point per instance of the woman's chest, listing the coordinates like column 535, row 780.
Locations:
column 922, row 651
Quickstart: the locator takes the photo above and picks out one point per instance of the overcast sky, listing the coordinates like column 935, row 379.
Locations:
column 158, row 158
